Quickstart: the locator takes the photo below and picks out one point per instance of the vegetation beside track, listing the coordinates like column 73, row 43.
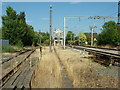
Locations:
column 109, row 37
column 80, row 69
column 85, row 73
column 18, row 32
column 8, row 49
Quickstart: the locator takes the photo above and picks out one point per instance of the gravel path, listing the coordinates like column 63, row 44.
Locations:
column 65, row 78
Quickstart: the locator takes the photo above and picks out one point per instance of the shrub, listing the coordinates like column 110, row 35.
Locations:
column 8, row 49
column 19, row 43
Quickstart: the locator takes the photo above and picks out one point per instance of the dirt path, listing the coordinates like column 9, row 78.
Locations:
column 67, row 82
column 48, row 71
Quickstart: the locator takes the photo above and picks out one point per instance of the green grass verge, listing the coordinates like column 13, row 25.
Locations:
column 7, row 49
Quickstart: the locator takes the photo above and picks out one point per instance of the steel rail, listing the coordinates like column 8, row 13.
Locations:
column 115, row 49
column 19, row 53
column 114, row 53
column 9, row 74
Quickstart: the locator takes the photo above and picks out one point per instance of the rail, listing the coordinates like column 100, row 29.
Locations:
column 5, row 78
column 108, row 52
column 116, row 49
column 104, row 56
column 19, row 53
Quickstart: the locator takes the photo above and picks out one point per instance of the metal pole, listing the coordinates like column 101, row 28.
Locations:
column 40, row 37
column 59, row 39
column 50, row 27
column 119, row 13
column 92, row 33
column 64, row 31
column 71, row 37
column 91, row 28
column 92, row 36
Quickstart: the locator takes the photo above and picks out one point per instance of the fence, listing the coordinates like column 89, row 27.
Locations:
column 4, row 42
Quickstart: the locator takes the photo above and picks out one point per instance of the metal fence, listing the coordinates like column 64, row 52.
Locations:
column 4, row 42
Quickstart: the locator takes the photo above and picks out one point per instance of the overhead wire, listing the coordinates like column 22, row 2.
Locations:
column 98, row 13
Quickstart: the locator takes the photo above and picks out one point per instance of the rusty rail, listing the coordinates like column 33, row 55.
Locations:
column 9, row 74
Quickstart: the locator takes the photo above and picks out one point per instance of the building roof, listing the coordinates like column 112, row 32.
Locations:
column 89, row 35
column 58, row 33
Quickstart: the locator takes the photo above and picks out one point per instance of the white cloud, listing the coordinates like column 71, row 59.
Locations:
column 28, row 21
column 44, row 18
column 74, row 2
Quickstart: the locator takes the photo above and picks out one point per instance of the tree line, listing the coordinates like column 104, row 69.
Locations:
column 18, row 32
column 109, row 36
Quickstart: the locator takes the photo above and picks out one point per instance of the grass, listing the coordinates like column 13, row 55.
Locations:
column 82, row 71
column 47, row 72
column 8, row 49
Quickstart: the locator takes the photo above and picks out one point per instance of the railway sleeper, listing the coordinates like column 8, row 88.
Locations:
column 21, row 79
column 105, row 60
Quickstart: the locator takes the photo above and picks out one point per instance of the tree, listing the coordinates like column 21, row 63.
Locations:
column 119, row 29
column 0, row 33
column 29, row 36
column 45, row 38
column 88, row 38
column 109, row 34
column 70, row 37
column 82, row 38
column 15, row 29
column 36, row 38
column 9, row 24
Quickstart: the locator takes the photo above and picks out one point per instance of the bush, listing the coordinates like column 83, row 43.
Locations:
column 19, row 43
column 8, row 49
column 46, row 42
column 70, row 42
column 109, row 34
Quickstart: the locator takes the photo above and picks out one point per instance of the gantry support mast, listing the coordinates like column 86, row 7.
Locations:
column 119, row 13
column 50, row 28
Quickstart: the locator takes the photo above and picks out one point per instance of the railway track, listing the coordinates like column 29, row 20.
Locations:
column 112, row 54
column 115, row 49
column 107, row 52
column 18, row 53
column 11, row 66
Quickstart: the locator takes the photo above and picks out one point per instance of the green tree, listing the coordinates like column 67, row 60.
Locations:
column 82, row 38
column 9, row 24
column 119, row 29
column 109, row 34
column 36, row 38
column 70, row 37
column 0, row 33
column 15, row 29
column 88, row 39
column 29, row 36
column 45, row 38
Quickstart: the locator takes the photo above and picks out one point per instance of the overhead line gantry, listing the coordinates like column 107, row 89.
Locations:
column 119, row 13
column 85, row 17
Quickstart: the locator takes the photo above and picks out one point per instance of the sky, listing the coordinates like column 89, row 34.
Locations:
column 38, row 13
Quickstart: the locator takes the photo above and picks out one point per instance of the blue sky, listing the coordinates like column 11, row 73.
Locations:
column 37, row 14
